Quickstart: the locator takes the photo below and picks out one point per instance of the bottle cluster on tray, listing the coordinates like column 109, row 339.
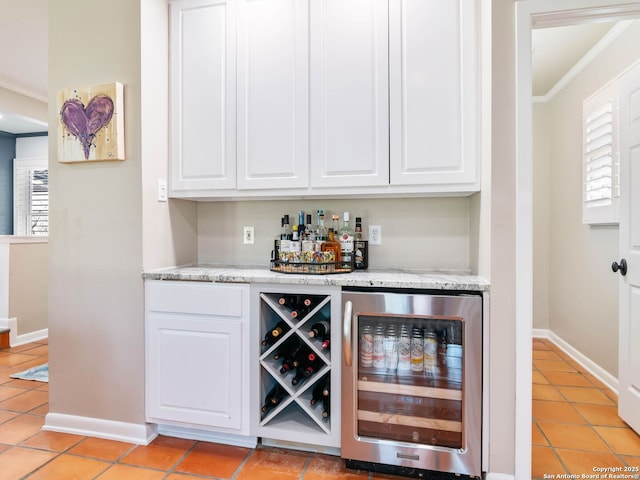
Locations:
column 311, row 247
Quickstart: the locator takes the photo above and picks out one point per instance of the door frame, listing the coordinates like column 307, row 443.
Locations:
column 537, row 14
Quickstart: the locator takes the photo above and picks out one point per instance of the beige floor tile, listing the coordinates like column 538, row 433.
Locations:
column 108, row 450
column 583, row 463
column 585, row 395
column 567, row 379
column 546, row 392
column 125, row 472
column 163, row 453
column 54, row 441
column 220, row 461
column 18, row 462
column 601, row 415
column 25, row 401
column 537, row 438
column 20, row 428
column 556, row 412
column 544, row 462
column 553, row 366
column 66, row 467
column 574, row 437
column 622, row 440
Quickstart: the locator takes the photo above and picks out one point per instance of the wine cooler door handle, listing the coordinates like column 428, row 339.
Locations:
column 346, row 333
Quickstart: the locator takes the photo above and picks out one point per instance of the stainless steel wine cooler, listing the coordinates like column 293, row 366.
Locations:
column 412, row 382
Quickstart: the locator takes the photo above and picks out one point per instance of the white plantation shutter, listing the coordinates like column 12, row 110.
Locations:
column 30, row 197
column 601, row 164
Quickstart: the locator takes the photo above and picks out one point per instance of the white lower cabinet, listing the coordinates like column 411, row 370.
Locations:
column 197, row 338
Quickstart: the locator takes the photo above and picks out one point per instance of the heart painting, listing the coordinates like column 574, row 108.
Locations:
column 90, row 124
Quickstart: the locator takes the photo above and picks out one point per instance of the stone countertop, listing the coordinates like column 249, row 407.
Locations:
column 370, row 278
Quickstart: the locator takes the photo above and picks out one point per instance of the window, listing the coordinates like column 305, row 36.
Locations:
column 30, row 197
column 601, row 162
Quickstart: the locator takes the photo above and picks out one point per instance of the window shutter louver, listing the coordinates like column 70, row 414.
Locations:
column 31, row 197
column 601, row 166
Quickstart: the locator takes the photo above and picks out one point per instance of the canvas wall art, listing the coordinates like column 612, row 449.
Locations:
column 91, row 123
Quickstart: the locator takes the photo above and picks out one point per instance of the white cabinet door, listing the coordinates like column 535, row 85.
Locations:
column 349, row 93
column 196, row 367
column 197, row 355
column 433, row 83
column 273, row 105
column 203, row 119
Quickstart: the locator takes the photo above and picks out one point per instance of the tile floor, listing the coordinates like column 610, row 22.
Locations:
column 27, row 452
column 576, row 427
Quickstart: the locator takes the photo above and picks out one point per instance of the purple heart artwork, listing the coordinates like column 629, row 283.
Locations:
column 83, row 123
column 91, row 123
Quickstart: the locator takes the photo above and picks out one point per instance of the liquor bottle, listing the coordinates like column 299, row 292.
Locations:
column 331, row 245
column 287, row 228
column 308, row 229
column 346, row 241
column 360, row 247
column 273, row 398
column 272, row 335
column 321, row 233
column 319, row 329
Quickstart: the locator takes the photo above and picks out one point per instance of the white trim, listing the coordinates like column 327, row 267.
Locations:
column 141, row 434
column 539, row 13
column 499, row 476
column 208, row 436
column 584, row 62
column 29, row 337
column 585, row 362
column 16, row 340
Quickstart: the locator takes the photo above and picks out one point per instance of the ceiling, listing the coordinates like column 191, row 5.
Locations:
column 24, row 69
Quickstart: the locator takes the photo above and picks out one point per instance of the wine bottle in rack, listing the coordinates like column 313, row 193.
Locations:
column 312, row 366
column 300, row 312
column 287, row 348
column 288, row 300
column 326, row 407
column 274, row 397
column 319, row 329
column 292, row 359
column 326, row 343
column 272, row 335
column 316, row 393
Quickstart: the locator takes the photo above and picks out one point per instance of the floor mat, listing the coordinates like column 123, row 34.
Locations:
column 39, row 374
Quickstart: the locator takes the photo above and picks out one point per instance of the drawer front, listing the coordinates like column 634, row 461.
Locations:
column 197, row 298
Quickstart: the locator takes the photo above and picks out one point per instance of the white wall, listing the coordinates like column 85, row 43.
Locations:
column 32, row 147
column 417, row 233
column 582, row 290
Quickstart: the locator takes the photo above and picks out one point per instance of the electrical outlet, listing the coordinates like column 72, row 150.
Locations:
column 247, row 235
column 375, row 234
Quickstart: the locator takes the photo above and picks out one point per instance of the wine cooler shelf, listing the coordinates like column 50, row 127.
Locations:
column 295, row 362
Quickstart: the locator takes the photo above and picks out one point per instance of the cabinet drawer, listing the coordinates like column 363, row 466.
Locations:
column 212, row 299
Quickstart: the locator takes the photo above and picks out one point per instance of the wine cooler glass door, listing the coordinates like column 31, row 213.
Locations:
column 410, row 377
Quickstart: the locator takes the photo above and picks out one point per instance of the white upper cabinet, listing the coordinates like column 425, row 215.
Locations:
column 203, row 98
column 349, row 93
column 273, row 94
column 334, row 97
column 433, row 94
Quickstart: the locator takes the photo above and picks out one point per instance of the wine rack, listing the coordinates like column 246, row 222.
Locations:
column 293, row 417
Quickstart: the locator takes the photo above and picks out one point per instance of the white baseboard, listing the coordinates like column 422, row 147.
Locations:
column 16, row 340
column 589, row 365
column 208, row 436
column 499, row 476
column 141, row 434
